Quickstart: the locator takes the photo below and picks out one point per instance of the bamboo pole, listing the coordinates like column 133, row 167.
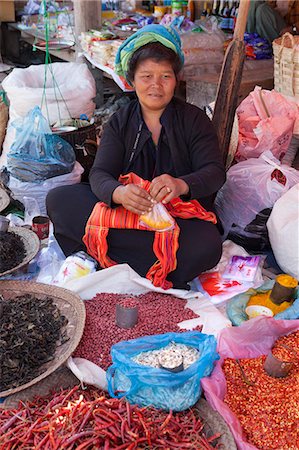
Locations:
column 230, row 80
column 87, row 15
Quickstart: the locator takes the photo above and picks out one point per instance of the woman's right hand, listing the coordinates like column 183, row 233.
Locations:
column 133, row 198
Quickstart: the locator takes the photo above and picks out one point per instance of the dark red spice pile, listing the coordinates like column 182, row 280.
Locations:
column 157, row 314
column 266, row 407
column 90, row 420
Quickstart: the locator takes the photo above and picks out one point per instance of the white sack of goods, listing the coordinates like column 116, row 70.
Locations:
column 283, row 228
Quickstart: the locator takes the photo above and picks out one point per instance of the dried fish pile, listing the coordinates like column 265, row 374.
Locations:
column 12, row 250
column 170, row 356
column 30, row 331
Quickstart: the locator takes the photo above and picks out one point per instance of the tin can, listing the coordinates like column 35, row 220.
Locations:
column 41, row 226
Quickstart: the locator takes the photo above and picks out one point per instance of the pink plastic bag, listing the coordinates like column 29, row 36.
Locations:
column 252, row 339
column 266, row 122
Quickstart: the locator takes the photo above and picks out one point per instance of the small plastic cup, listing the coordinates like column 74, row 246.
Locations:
column 41, row 226
column 4, row 223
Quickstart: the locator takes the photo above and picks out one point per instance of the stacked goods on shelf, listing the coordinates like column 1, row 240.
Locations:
column 101, row 46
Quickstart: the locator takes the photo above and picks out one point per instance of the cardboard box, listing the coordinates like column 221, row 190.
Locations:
column 7, row 11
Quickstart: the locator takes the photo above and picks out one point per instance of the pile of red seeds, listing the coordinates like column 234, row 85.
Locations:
column 90, row 420
column 157, row 314
column 266, row 407
column 128, row 302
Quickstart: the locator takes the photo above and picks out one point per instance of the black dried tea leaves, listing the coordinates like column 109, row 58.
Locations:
column 12, row 250
column 31, row 329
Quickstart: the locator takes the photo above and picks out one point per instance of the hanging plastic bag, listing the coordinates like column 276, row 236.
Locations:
column 36, row 153
column 245, row 201
column 143, row 385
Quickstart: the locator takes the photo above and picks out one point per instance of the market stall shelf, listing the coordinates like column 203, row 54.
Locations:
column 68, row 303
column 121, row 82
column 55, row 44
column 31, row 243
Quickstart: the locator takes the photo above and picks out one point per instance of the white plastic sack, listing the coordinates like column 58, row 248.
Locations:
column 39, row 191
column 25, row 87
column 283, row 229
column 121, row 279
column 88, row 372
column 251, row 186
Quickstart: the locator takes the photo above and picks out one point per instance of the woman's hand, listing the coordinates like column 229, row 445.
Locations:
column 165, row 187
column 133, row 198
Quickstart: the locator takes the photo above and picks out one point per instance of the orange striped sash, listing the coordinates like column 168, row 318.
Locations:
column 165, row 244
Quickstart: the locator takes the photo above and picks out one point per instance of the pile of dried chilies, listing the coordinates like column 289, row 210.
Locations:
column 88, row 419
column 266, row 407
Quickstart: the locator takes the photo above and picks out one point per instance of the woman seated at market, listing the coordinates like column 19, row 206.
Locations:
column 165, row 141
column 265, row 20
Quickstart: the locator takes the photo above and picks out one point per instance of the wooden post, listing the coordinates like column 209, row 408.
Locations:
column 229, row 82
column 87, row 14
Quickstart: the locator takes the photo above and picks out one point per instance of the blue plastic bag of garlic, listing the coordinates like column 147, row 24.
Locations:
column 162, row 370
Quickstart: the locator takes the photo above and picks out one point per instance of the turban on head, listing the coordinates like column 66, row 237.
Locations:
column 150, row 33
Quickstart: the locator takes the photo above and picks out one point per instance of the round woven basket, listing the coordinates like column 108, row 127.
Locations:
column 286, row 65
column 214, row 423
column 31, row 243
column 4, row 199
column 69, row 304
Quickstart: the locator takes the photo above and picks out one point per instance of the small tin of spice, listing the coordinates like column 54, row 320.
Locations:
column 283, row 289
column 4, row 223
column 171, row 361
column 277, row 368
column 127, row 313
column 41, row 225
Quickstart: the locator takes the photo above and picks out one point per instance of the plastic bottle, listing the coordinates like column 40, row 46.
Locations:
column 204, row 11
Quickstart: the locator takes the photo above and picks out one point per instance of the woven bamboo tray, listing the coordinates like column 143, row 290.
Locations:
column 69, row 304
column 31, row 243
column 214, row 423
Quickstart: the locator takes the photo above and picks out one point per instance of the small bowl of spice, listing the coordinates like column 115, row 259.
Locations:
column 258, row 310
column 171, row 360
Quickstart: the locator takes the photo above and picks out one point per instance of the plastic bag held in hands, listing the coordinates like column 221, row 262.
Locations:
column 157, row 219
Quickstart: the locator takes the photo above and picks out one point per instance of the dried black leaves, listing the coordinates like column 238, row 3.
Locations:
column 30, row 331
column 12, row 250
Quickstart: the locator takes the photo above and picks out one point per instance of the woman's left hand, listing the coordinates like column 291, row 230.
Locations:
column 165, row 187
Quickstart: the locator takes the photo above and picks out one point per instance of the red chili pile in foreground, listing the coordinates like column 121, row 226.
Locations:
column 90, row 420
column 267, row 409
column 157, row 314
